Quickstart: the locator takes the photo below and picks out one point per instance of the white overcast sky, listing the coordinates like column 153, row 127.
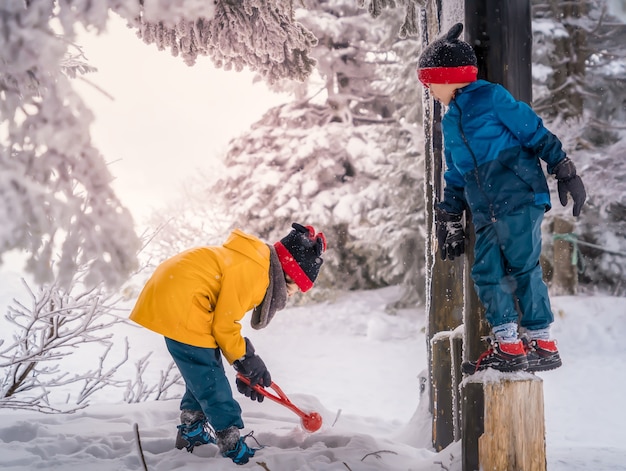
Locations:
column 166, row 119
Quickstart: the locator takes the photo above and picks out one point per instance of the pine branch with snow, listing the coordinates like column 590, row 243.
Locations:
column 410, row 25
column 258, row 34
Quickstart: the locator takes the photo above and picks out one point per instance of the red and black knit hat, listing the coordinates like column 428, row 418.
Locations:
column 300, row 254
column 448, row 60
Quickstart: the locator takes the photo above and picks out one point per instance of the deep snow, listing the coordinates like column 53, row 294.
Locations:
column 360, row 369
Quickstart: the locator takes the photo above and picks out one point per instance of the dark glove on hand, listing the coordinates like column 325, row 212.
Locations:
column 252, row 367
column 247, row 391
column 570, row 183
column 450, row 234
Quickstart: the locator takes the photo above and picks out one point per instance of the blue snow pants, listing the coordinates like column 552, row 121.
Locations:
column 207, row 388
column 506, row 270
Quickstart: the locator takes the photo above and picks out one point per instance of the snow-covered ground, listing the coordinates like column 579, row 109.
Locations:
column 359, row 368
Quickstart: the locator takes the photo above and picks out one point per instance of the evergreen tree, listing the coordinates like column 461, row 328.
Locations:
column 57, row 203
column 344, row 157
column 56, row 200
column 575, row 44
column 578, row 87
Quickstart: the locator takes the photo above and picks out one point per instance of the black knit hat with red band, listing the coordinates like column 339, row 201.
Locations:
column 448, row 60
column 300, row 254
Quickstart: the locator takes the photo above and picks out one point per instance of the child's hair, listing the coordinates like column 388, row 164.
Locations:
column 448, row 60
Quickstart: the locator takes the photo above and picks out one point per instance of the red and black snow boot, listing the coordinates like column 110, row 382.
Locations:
column 501, row 356
column 543, row 355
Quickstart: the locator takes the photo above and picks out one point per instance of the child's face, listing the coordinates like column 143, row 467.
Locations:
column 292, row 287
column 443, row 92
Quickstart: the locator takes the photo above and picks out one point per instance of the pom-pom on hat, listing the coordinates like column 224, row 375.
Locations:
column 300, row 254
column 448, row 60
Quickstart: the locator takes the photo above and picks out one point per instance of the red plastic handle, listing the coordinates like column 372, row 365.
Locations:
column 281, row 397
column 310, row 422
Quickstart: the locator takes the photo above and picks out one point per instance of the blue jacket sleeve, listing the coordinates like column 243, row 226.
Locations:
column 521, row 120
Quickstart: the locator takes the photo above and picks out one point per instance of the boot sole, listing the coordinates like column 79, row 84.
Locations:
column 470, row 369
column 548, row 367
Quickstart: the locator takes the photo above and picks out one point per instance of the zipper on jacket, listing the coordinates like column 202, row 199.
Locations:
column 478, row 182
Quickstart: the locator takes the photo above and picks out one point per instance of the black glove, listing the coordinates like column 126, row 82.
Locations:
column 252, row 367
column 450, row 234
column 248, row 391
column 570, row 183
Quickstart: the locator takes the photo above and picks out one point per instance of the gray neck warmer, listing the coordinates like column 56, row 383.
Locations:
column 275, row 297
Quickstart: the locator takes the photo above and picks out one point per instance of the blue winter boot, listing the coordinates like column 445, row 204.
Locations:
column 233, row 446
column 193, row 431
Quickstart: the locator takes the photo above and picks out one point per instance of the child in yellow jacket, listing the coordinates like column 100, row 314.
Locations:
column 196, row 300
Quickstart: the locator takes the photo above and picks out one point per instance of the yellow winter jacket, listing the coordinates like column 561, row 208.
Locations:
column 199, row 296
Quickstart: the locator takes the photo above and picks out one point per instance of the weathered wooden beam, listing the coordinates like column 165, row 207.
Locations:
column 444, row 278
column 443, row 391
column 457, row 376
column 501, row 33
column 475, row 325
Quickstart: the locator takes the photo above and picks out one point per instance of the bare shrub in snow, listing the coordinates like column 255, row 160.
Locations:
column 49, row 329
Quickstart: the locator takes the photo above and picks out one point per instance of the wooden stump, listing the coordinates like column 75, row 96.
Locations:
column 503, row 423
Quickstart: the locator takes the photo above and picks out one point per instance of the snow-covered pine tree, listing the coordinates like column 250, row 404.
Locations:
column 364, row 187
column 575, row 45
column 578, row 88
column 56, row 200
column 344, row 157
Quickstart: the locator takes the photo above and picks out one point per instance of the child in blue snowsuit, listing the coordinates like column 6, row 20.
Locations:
column 492, row 146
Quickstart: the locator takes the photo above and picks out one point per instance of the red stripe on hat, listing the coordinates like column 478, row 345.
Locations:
column 291, row 267
column 462, row 74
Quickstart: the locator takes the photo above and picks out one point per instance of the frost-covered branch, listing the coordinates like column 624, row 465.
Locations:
column 96, row 380
column 410, row 26
column 169, row 378
column 138, row 390
column 52, row 327
column 34, row 405
column 259, row 34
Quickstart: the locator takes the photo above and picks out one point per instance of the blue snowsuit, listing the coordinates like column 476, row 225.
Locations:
column 493, row 146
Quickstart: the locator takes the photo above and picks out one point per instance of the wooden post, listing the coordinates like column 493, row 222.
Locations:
column 443, row 389
column 445, row 278
column 501, row 33
column 508, row 423
column 476, row 327
column 498, row 418
column 565, row 274
column 456, row 354
column 502, row 419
